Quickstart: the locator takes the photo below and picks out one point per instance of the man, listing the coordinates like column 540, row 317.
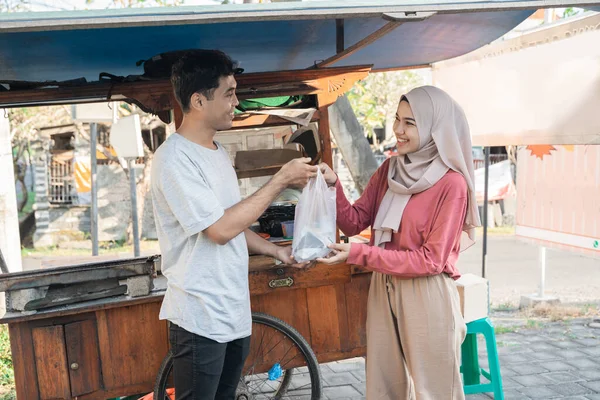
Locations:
column 203, row 231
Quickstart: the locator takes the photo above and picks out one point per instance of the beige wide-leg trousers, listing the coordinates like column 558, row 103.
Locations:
column 414, row 333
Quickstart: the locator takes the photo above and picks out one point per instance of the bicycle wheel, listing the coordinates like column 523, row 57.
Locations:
column 281, row 365
column 164, row 379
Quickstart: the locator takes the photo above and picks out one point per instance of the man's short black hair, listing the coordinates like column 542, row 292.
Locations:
column 199, row 71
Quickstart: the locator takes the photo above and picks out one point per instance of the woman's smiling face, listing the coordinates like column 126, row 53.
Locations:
column 405, row 129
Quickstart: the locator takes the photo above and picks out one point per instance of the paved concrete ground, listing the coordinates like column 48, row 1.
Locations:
column 513, row 270
column 558, row 360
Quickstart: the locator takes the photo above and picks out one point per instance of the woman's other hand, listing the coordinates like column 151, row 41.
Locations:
column 339, row 253
column 330, row 176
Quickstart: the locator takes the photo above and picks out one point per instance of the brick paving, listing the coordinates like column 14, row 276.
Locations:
column 559, row 360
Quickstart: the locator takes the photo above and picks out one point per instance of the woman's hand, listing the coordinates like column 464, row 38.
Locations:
column 339, row 254
column 330, row 176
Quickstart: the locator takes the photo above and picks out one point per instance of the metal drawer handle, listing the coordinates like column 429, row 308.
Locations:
column 277, row 283
column 74, row 366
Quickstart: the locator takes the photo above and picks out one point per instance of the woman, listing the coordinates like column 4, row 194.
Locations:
column 417, row 204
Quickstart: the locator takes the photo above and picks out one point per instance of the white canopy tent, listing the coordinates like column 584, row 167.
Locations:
column 540, row 88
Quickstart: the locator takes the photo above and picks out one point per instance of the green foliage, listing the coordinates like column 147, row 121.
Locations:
column 7, row 376
column 375, row 98
column 569, row 12
column 498, row 330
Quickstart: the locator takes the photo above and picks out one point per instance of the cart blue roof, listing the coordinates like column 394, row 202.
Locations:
column 262, row 37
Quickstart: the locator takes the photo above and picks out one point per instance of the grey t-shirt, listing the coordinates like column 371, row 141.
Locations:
column 207, row 284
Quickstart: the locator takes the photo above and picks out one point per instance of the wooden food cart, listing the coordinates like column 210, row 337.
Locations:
column 113, row 347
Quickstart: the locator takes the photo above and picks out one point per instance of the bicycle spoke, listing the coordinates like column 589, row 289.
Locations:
column 258, row 384
column 252, row 368
column 307, row 385
column 286, row 353
column 267, row 383
column 276, row 344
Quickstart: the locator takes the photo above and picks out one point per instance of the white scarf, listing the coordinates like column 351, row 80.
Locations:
column 445, row 143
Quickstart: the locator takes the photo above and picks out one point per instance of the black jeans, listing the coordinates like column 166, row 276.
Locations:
column 204, row 369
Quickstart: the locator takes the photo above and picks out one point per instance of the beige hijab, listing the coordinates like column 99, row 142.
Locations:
column 445, row 143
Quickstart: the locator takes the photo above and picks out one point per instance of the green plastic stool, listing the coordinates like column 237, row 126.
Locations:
column 470, row 360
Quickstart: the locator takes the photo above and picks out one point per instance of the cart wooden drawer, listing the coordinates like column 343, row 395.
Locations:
column 276, row 279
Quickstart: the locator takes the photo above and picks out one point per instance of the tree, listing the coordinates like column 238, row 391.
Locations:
column 24, row 123
column 375, row 98
column 570, row 12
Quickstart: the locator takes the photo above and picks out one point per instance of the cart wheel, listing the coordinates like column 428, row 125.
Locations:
column 163, row 379
column 277, row 348
column 291, row 365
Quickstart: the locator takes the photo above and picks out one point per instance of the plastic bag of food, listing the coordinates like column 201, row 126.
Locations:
column 314, row 223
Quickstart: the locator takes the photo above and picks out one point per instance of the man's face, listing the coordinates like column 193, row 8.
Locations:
column 218, row 111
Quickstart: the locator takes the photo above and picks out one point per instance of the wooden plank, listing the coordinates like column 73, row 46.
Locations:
column 132, row 342
column 21, row 345
column 250, row 120
column 357, row 292
column 89, row 306
column 254, row 173
column 359, row 269
column 421, row 66
column 325, row 136
column 156, row 96
column 59, row 295
column 344, row 325
column 264, row 158
column 83, row 358
column 324, row 319
column 50, row 358
column 106, row 361
column 364, row 42
column 79, row 273
column 247, row 120
column 258, row 286
column 290, row 306
column 284, row 278
column 335, row 86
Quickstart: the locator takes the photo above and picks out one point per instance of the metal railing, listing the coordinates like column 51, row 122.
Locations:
column 60, row 184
